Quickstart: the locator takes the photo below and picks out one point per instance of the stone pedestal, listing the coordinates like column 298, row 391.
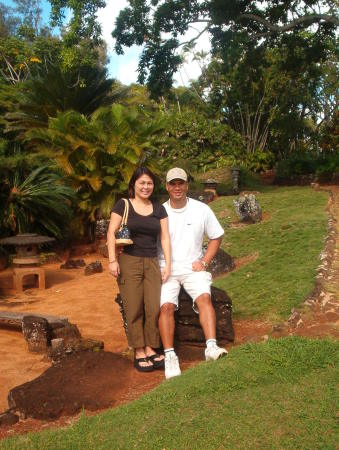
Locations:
column 20, row 272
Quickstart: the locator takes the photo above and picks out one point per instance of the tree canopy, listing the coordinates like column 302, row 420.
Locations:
column 232, row 24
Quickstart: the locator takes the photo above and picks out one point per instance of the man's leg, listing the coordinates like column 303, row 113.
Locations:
column 169, row 302
column 206, row 316
column 197, row 285
column 208, row 324
column 167, row 325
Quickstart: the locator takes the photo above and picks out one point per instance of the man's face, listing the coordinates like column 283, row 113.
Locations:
column 177, row 189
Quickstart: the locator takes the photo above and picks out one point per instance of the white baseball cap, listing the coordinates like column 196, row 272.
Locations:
column 176, row 174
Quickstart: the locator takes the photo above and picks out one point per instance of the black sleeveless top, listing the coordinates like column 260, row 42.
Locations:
column 144, row 229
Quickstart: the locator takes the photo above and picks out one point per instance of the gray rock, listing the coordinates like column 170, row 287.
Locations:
column 92, row 268
column 36, row 332
column 221, row 263
column 73, row 264
column 248, row 209
column 101, row 227
column 8, row 418
column 188, row 328
column 203, row 196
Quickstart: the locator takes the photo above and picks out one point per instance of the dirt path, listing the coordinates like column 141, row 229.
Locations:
column 89, row 303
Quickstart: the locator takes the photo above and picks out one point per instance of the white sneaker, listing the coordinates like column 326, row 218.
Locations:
column 214, row 352
column 172, row 368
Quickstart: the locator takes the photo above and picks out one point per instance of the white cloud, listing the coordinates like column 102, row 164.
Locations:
column 123, row 67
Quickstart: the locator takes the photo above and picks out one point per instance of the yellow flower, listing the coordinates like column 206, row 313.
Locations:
column 35, row 59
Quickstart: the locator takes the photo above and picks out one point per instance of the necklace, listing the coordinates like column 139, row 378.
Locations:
column 178, row 210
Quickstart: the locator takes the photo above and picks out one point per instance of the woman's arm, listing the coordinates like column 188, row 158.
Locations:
column 114, row 225
column 166, row 248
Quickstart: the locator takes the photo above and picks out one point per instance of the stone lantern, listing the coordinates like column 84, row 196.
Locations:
column 210, row 185
column 235, row 179
column 26, row 247
column 27, row 258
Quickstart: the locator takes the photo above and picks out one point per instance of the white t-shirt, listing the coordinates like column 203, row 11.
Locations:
column 187, row 227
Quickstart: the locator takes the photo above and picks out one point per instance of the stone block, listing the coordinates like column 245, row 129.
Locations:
column 36, row 332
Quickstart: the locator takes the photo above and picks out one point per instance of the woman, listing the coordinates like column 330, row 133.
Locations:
column 137, row 269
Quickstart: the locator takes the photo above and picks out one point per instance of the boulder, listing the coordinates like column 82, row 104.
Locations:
column 221, row 263
column 202, row 196
column 73, row 264
column 36, row 332
column 92, row 268
column 8, row 418
column 101, row 227
column 248, row 209
column 188, row 328
column 102, row 249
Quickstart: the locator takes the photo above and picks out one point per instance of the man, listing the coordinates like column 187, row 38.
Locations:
column 189, row 221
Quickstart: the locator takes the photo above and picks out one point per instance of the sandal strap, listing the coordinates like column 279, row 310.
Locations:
column 154, row 357
column 138, row 360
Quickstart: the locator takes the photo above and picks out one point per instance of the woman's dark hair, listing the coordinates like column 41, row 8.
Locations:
column 139, row 172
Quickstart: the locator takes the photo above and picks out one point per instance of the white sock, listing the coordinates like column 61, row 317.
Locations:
column 211, row 343
column 169, row 352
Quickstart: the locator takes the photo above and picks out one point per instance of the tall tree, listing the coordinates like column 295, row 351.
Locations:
column 157, row 26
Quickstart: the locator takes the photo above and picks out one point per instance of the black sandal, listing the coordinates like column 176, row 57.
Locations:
column 140, row 368
column 157, row 364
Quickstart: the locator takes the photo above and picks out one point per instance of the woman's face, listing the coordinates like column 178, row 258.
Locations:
column 143, row 187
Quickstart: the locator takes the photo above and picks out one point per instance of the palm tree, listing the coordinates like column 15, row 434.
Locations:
column 31, row 103
column 39, row 202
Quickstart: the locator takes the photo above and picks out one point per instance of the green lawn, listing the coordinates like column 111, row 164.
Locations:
column 289, row 242
column 278, row 395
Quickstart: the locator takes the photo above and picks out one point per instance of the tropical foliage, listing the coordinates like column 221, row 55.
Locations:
column 37, row 202
column 98, row 154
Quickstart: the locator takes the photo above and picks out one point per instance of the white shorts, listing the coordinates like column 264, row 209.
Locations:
column 194, row 283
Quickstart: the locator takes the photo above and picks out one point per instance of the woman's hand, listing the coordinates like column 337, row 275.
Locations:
column 114, row 268
column 165, row 273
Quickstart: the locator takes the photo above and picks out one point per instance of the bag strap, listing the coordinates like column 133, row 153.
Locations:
column 125, row 215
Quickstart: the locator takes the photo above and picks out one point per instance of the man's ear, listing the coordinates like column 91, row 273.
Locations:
column 166, row 187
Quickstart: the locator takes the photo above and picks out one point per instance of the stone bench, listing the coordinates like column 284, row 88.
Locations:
column 40, row 330
column 10, row 319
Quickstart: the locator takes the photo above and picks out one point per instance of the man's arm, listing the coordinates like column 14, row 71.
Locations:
column 212, row 248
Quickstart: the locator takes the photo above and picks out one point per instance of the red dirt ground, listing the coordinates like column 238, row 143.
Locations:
column 104, row 379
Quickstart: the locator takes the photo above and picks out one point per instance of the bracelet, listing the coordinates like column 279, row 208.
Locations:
column 114, row 260
column 204, row 263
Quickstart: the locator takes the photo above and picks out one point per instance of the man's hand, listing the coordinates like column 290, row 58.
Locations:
column 197, row 266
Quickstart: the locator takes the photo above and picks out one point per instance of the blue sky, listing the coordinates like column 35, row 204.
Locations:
column 124, row 67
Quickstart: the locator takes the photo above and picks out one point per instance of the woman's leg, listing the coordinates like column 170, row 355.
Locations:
column 132, row 294
column 152, row 288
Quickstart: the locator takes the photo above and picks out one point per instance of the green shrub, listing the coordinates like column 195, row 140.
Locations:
column 198, row 141
column 308, row 164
